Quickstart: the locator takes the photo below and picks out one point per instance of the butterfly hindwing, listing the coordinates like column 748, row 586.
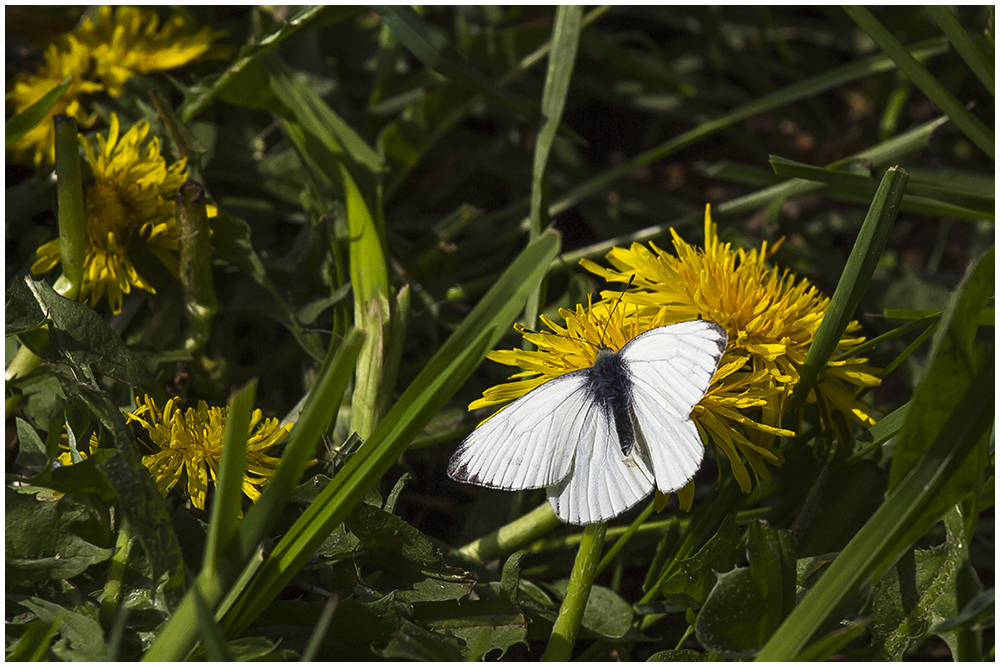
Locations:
column 531, row 443
column 604, row 482
column 671, row 368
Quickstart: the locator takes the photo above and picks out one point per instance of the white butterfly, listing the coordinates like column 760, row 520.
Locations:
column 599, row 439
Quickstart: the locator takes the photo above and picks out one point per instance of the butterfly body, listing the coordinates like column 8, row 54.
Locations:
column 600, row 439
column 609, row 384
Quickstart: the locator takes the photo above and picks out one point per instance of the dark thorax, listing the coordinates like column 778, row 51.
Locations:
column 610, row 386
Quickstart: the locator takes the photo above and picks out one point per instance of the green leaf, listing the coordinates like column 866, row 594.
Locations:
column 84, row 636
column 31, row 452
column 606, row 615
column 695, row 576
column 912, row 596
column 973, row 128
column 20, row 123
column 46, row 540
column 83, row 338
column 677, row 655
column 748, row 604
column 852, row 285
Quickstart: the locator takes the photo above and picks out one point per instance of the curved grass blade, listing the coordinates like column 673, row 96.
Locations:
column 852, row 285
column 443, row 375
column 973, row 128
column 20, row 123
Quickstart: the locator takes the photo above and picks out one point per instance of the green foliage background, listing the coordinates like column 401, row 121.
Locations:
column 385, row 179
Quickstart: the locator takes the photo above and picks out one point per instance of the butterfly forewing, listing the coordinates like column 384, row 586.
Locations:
column 531, row 443
column 671, row 368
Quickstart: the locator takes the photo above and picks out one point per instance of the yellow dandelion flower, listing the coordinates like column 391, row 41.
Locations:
column 190, row 443
column 131, row 193
column 61, row 59
column 771, row 315
column 130, row 40
column 573, row 347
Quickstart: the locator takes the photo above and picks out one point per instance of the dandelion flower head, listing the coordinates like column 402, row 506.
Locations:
column 771, row 315
column 190, row 443
column 131, row 193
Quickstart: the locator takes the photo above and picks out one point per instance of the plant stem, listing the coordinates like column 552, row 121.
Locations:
column 513, row 536
column 116, row 575
column 581, row 579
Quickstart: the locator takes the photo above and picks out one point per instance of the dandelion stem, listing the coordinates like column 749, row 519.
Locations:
column 116, row 574
column 581, row 579
column 200, row 301
column 72, row 220
column 515, row 535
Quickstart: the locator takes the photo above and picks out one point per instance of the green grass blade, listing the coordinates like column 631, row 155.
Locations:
column 973, row 56
column 19, row 124
column 443, row 375
column 883, row 538
column 925, row 199
column 180, row 634
column 973, row 128
column 229, row 482
column 852, row 285
column 565, row 40
column 788, row 95
column 433, row 49
column 238, row 75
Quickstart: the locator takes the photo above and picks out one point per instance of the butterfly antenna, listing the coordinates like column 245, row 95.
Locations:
column 615, row 307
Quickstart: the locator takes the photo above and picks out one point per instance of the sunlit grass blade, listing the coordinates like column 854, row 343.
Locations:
column 963, row 43
column 441, row 377
column 973, row 128
column 229, row 480
column 20, row 123
column 852, row 285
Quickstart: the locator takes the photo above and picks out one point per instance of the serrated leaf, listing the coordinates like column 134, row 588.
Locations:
column 748, row 604
column 85, row 340
column 696, row 575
